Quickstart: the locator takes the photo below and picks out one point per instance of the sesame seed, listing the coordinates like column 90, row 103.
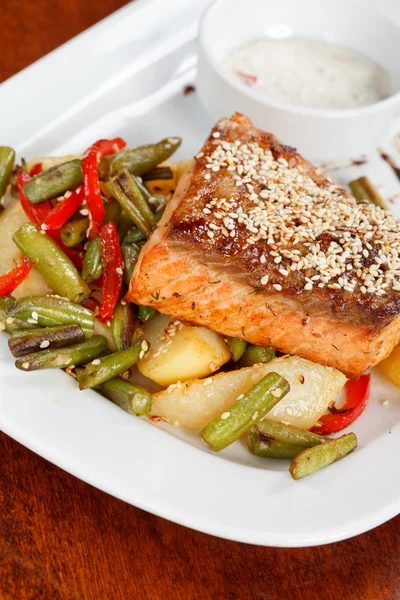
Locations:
column 225, row 415
column 96, row 361
column 264, row 280
column 277, row 287
column 119, row 271
column 25, row 365
column 216, row 134
column 145, row 345
column 35, row 315
column 10, row 320
column 254, row 415
column 277, row 393
column 45, row 344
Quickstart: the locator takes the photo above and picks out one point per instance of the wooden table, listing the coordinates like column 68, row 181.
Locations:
column 62, row 539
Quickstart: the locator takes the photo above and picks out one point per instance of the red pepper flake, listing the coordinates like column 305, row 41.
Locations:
column 112, row 260
column 247, row 78
column 11, row 280
column 64, row 209
column 90, row 163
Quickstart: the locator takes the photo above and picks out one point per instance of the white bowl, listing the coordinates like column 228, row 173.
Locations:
column 321, row 134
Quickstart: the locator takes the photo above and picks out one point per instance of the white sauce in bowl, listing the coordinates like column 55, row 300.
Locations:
column 310, row 72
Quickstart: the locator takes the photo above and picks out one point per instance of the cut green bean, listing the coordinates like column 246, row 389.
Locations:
column 254, row 355
column 315, row 458
column 137, row 194
column 61, row 358
column 145, row 313
column 271, row 448
column 363, row 189
column 133, row 237
column 112, row 212
column 288, row 434
column 125, row 223
column 8, row 322
column 237, row 348
column 51, row 262
column 26, row 341
column 159, row 173
column 7, row 158
column 123, row 325
column 50, row 311
column 246, row 411
column 74, row 232
column 136, row 216
column 112, row 365
column 54, row 181
column 130, row 255
column 92, row 265
column 135, row 400
column 139, row 160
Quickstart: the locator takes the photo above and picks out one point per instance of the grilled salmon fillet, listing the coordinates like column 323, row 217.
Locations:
column 257, row 244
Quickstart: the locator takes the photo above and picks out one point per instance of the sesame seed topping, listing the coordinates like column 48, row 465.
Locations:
column 225, row 415
column 119, row 271
column 295, row 224
column 45, row 344
column 277, row 393
column 96, row 361
column 10, row 320
column 25, row 365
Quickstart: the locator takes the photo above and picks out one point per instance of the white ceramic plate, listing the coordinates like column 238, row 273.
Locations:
column 132, row 70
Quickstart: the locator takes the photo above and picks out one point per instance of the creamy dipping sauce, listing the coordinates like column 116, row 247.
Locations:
column 310, row 72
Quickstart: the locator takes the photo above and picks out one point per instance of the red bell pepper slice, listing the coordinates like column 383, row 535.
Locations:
column 64, row 209
column 37, row 213
column 111, row 257
column 90, row 163
column 36, row 170
column 357, row 394
column 9, row 281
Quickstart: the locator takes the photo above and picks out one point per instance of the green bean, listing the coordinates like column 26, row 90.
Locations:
column 25, row 341
column 129, row 207
column 137, row 194
column 254, row 355
column 61, row 358
column 271, row 448
column 133, row 237
column 363, row 189
column 92, row 265
column 7, row 322
column 50, row 311
column 74, row 232
column 158, row 173
column 112, row 212
column 112, row 365
column 237, row 347
column 145, row 313
column 7, row 157
column 125, row 223
column 289, row 434
column 123, row 325
column 139, row 160
column 135, row 400
column 315, row 458
column 54, row 181
column 51, row 262
column 253, row 406
column 130, row 255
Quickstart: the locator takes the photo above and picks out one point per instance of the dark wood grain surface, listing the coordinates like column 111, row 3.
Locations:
column 62, row 539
